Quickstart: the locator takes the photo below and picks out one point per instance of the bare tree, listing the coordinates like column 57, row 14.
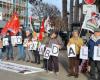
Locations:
column 40, row 9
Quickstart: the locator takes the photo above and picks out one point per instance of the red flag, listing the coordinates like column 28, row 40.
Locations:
column 15, row 24
column 5, row 29
column 12, row 25
column 40, row 37
column 42, row 29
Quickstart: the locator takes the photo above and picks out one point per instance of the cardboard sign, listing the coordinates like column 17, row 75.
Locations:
column 96, row 53
column 41, row 49
column 71, row 50
column 19, row 39
column 13, row 40
column 84, row 52
column 47, row 53
column 55, row 50
column 5, row 42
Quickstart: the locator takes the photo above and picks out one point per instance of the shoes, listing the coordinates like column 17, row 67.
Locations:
column 69, row 75
column 76, row 76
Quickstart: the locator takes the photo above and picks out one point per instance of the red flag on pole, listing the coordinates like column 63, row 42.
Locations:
column 42, row 29
column 5, row 29
column 15, row 24
column 12, row 25
column 40, row 37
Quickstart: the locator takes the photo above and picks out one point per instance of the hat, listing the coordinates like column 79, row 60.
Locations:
column 97, row 30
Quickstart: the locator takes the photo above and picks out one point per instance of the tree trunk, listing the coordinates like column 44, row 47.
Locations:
column 64, row 14
column 71, row 15
column 76, row 12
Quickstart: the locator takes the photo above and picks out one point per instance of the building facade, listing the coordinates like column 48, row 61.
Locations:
column 7, row 7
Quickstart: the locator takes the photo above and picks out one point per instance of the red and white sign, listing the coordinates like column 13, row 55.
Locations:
column 89, row 1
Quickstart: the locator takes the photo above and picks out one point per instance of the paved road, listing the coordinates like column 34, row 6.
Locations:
column 6, row 75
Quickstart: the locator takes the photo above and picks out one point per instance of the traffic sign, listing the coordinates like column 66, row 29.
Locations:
column 89, row 1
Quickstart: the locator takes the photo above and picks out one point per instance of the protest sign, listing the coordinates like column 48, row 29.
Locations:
column 41, row 49
column 71, row 50
column 55, row 50
column 35, row 45
column 30, row 46
column 47, row 53
column 84, row 52
column 13, row 40
column 25, row 42
column 96, row 53
column 19, row 39
column 5, row 42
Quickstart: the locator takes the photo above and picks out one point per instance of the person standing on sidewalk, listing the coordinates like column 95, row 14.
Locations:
column 1, row 46
column 9, row 47
column 53, row 62
column 94, row 41
column 21, row 53
column 74, row 61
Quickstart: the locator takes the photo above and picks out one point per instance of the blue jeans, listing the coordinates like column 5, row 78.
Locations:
column 9, row 51
column 21, row 53
column 0, row 53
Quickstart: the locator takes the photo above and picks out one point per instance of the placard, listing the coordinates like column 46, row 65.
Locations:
column 30, row 46
column 41, row 49
column 47, row 53
column 25, row 42
column 55, row 50
column 84, row 52
column 96, row 53
column 13, row 40
column 71, row 50
column 19, row 39
column 35, row 45
column 5, row 42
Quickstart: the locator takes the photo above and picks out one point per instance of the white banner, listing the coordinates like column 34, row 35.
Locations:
column 55, row 50
column 96, row 53
column 17, row 68
column 84, row 52
column 87, row 8
column 47, row 53
column 5, row 42
column 71, row 50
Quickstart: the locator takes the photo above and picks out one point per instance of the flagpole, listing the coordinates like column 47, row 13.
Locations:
column 26, row 13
